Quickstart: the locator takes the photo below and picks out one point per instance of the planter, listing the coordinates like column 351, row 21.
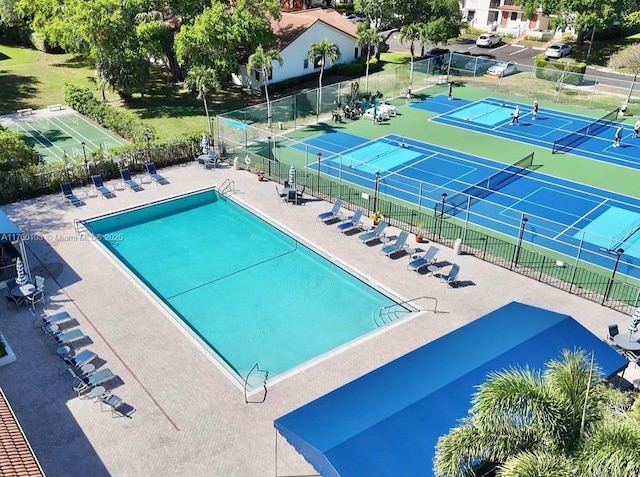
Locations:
column 260, row 177
column 9, row 357
column 419, row 237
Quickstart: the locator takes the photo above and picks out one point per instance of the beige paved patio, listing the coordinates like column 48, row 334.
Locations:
column 191, row 419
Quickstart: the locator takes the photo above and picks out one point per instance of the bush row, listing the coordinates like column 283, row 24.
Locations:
column 560, row 71
column 124, row 124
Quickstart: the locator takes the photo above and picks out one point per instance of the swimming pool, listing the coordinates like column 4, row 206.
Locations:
column 252, row 293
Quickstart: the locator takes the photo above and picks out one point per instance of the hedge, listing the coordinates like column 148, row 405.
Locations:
column 559, row 71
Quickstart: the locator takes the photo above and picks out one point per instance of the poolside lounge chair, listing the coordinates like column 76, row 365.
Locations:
column 82, row 384
column 128, row 181
column 116, row 405
column 452, row 277
column 98, row 183
column 374, row 234
column 69, row 196
column 428, row 258
column 65, row 337
column 332, row 214
column 56, row 319
column 398, row 245
column 351, row 224
column 155, row 177
column 83, row 357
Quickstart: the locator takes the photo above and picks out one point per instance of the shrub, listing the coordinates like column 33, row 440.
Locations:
column 124, row 124
column 559, row 71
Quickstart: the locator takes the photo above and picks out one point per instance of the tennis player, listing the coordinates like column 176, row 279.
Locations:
column 636, row 129
column 618, row 136
column 450, row 92
column 516, row 116
column 535, row 110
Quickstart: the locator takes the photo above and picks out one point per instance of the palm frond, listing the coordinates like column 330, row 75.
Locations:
column 458, row 451
column 538, row 464
column 612, row 450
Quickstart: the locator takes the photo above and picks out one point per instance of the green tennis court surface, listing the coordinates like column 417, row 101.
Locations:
column 55, row 136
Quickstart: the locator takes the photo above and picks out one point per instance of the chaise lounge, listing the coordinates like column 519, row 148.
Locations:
column 153, row 173
column 334, row 213
column 351, row 224
column 98, row 183
column 398, row 245
column 128, row 180
column 374, row 234
column 69, row 196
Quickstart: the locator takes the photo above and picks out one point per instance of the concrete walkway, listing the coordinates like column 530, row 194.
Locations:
column 191, row 419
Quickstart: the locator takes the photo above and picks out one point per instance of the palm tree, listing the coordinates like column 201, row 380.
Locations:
column 202, row 79
column 263, row 62
column 321, row 52
column 367, row 39
column 411, row 33
column 561, row 422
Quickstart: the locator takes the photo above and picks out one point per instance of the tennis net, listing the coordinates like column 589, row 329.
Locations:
column 461, row 201
column 584, row 133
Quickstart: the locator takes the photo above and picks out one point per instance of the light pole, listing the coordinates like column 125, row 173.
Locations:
column 444, row 198
column 269, row 156
column 319, row 159
column 619, row 253
column 523, row 223
column 86, row 163
column 375, row 195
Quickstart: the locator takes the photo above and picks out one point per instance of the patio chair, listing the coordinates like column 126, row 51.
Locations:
column 374, row 234
column 10, row 299
column 398, row 245
column 613, row 332
column 98, row 183
column 428, row 258
column 153, row 173
column 334, row 213
column 56, row 319
column 128, row 180
column 82, row 384
column 353, row 223
column 116, row 405
column 37, row 296
column 451, row 278
column 83, row 357
column 69, row 196
column 65, row 337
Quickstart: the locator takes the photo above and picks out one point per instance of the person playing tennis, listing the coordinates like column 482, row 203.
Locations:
column 617, row 138
column 636, row 129
column 534, row 113
column 515, row 116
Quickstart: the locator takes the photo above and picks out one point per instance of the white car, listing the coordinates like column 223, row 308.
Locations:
column 503, row 68
column 488, row 40
column 390, row 109
column 381, row 115
column 557, row 50
column 478, row 64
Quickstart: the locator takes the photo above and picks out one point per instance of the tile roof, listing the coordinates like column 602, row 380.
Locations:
column 292, row 24
column 16, row 456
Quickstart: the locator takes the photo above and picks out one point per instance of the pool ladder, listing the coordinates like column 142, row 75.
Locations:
column 257, row 372
column 227, row 186
column 389, row 313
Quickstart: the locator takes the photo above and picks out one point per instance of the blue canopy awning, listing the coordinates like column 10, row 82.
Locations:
column 387, row 422
column 9, row 232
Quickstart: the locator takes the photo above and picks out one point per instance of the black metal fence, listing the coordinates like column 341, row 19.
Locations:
column 441, row 228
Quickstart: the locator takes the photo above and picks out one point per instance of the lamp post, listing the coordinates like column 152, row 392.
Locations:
column 375, row 195
column 619, row 253
column 86, row 163
column 269, row 156
column 523, row 223
column 319, row 159
column 444, row 198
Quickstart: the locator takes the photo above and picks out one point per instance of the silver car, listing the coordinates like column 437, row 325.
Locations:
column 503, row 68
column 558, row 50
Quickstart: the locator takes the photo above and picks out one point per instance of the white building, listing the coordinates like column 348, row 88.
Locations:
column 502, row 16
column 295, row 32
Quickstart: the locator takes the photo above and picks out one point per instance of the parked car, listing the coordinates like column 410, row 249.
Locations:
column 558, row 50
column 488, row 40
column 503, row 68
column 380, row 115
column 478, row 64
column 435, row 52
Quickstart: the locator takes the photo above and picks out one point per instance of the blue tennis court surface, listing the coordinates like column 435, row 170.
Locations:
column 564, row 216
column 387, row 422
column 493, row 116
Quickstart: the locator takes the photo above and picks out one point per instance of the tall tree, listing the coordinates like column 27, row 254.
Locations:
column 157, row 35
column 14, row 152
column 368, row 38
column 319, row 53
column 262, row 61
column 629, row 59
column 411, row 33
column 551, row 423
column 202, row 80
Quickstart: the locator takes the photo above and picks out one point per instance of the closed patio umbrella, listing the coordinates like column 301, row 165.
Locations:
column 635, row 321
column 21, row 279
column 292, row 176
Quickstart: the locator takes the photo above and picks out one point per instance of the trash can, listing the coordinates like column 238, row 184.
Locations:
column 457, row 247
column 236, row 163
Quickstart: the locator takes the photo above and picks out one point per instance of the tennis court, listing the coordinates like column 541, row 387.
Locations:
column 560, row 131
column 56, row 135
column 565, row 216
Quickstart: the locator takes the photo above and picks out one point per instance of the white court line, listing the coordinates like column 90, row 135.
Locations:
column 71, row 130
column 45, row 137
column 584, row 216
column 102, row 131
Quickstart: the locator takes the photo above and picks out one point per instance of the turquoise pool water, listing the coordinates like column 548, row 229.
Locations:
column 251, row 292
